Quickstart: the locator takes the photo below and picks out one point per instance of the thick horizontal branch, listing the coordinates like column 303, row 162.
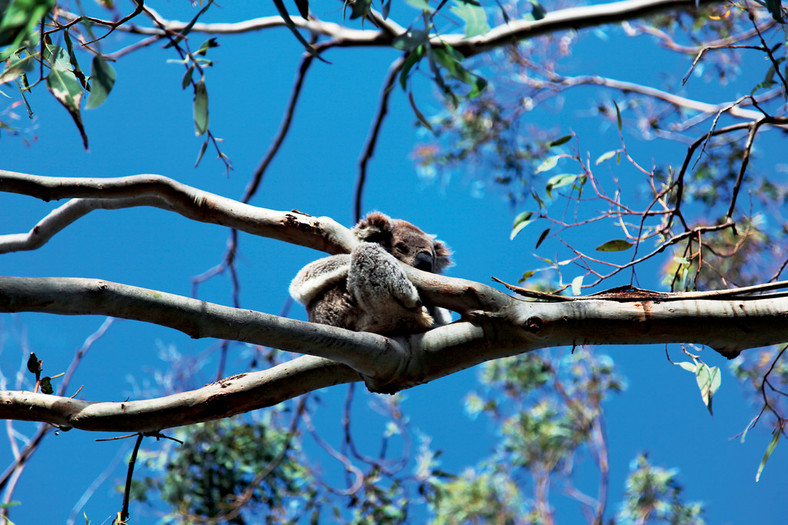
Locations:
column 370, row 354
column 320, row 233
column 230, row 396
column 728, row 325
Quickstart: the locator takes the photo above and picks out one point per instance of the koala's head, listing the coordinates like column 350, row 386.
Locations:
column 404, row 241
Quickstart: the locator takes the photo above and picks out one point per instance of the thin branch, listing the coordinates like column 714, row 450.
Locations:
column 124, row 512
column 372, row 139
column 320, row 233
column 284, row 128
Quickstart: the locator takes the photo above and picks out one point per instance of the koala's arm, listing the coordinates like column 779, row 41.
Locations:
column 317, row 277
column 388, row 302
column 375, row 278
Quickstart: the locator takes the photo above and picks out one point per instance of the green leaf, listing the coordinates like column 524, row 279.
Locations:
column 200, row 108
column 769, row 449
column 46, row 385
column 577, row 284
column 17, row 65
column 280, row 8
column 686, row 365
column 708, row 379
column 538, row 11
column 558, row 181
column 65, row 87
column 559, row 142
column 19, row 21
column 411, row 60
column 473, row 15
column 208, row 44
column 359, row 8
column 187, row 29
column 102, row 78
column 410, row 40
column 520, row 222
column 605, row 156
column 617, row 245
column 422, row 5
column 542, row 237
column 72, row 59
column 548, row 163
column 527, row 275
column 201, row 153
column 618, row 115
column 187, row 77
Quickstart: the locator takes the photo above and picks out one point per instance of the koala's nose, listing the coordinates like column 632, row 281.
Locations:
column 424, row 261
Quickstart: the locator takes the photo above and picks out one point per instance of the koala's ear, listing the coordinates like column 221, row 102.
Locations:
column 442, row 256
column 375, row 227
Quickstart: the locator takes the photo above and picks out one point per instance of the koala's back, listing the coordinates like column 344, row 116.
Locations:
column 335, row 306
column 367, row 290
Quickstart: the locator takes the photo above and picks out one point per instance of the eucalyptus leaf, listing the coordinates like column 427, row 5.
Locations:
column 200, row 108
column 102, row 78
column 616, row 245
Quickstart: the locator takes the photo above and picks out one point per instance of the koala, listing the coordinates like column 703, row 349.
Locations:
column 367, row 290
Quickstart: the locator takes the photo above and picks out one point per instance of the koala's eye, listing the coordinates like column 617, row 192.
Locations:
column 424, row 261
column 402, row 248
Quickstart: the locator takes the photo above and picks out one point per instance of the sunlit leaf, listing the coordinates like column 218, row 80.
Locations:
column 548, row 163
column 16, row 66
column 19, row 20
column 616, row 245
column 423, row 5
column 558, row 181
column 520, row 222
column 577, row 285
column 605, row 156
column 769, row 449
column 686, row 365
column 65, row 87
column 473, row 15
column 411, row 60
column 527, row 275
column 709, row 380
column 200, row 107
column 102, row 78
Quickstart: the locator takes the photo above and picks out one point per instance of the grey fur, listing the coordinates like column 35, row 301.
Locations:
column 368, row 289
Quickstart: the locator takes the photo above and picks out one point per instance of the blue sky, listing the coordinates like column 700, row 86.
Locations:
column 146, row 127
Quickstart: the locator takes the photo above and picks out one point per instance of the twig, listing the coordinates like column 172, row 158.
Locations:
column 124, row 511
column 372, row 139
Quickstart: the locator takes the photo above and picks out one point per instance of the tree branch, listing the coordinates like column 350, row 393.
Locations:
column 320, row 233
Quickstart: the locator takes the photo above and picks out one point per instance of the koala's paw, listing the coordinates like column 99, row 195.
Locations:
column 425, row 320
